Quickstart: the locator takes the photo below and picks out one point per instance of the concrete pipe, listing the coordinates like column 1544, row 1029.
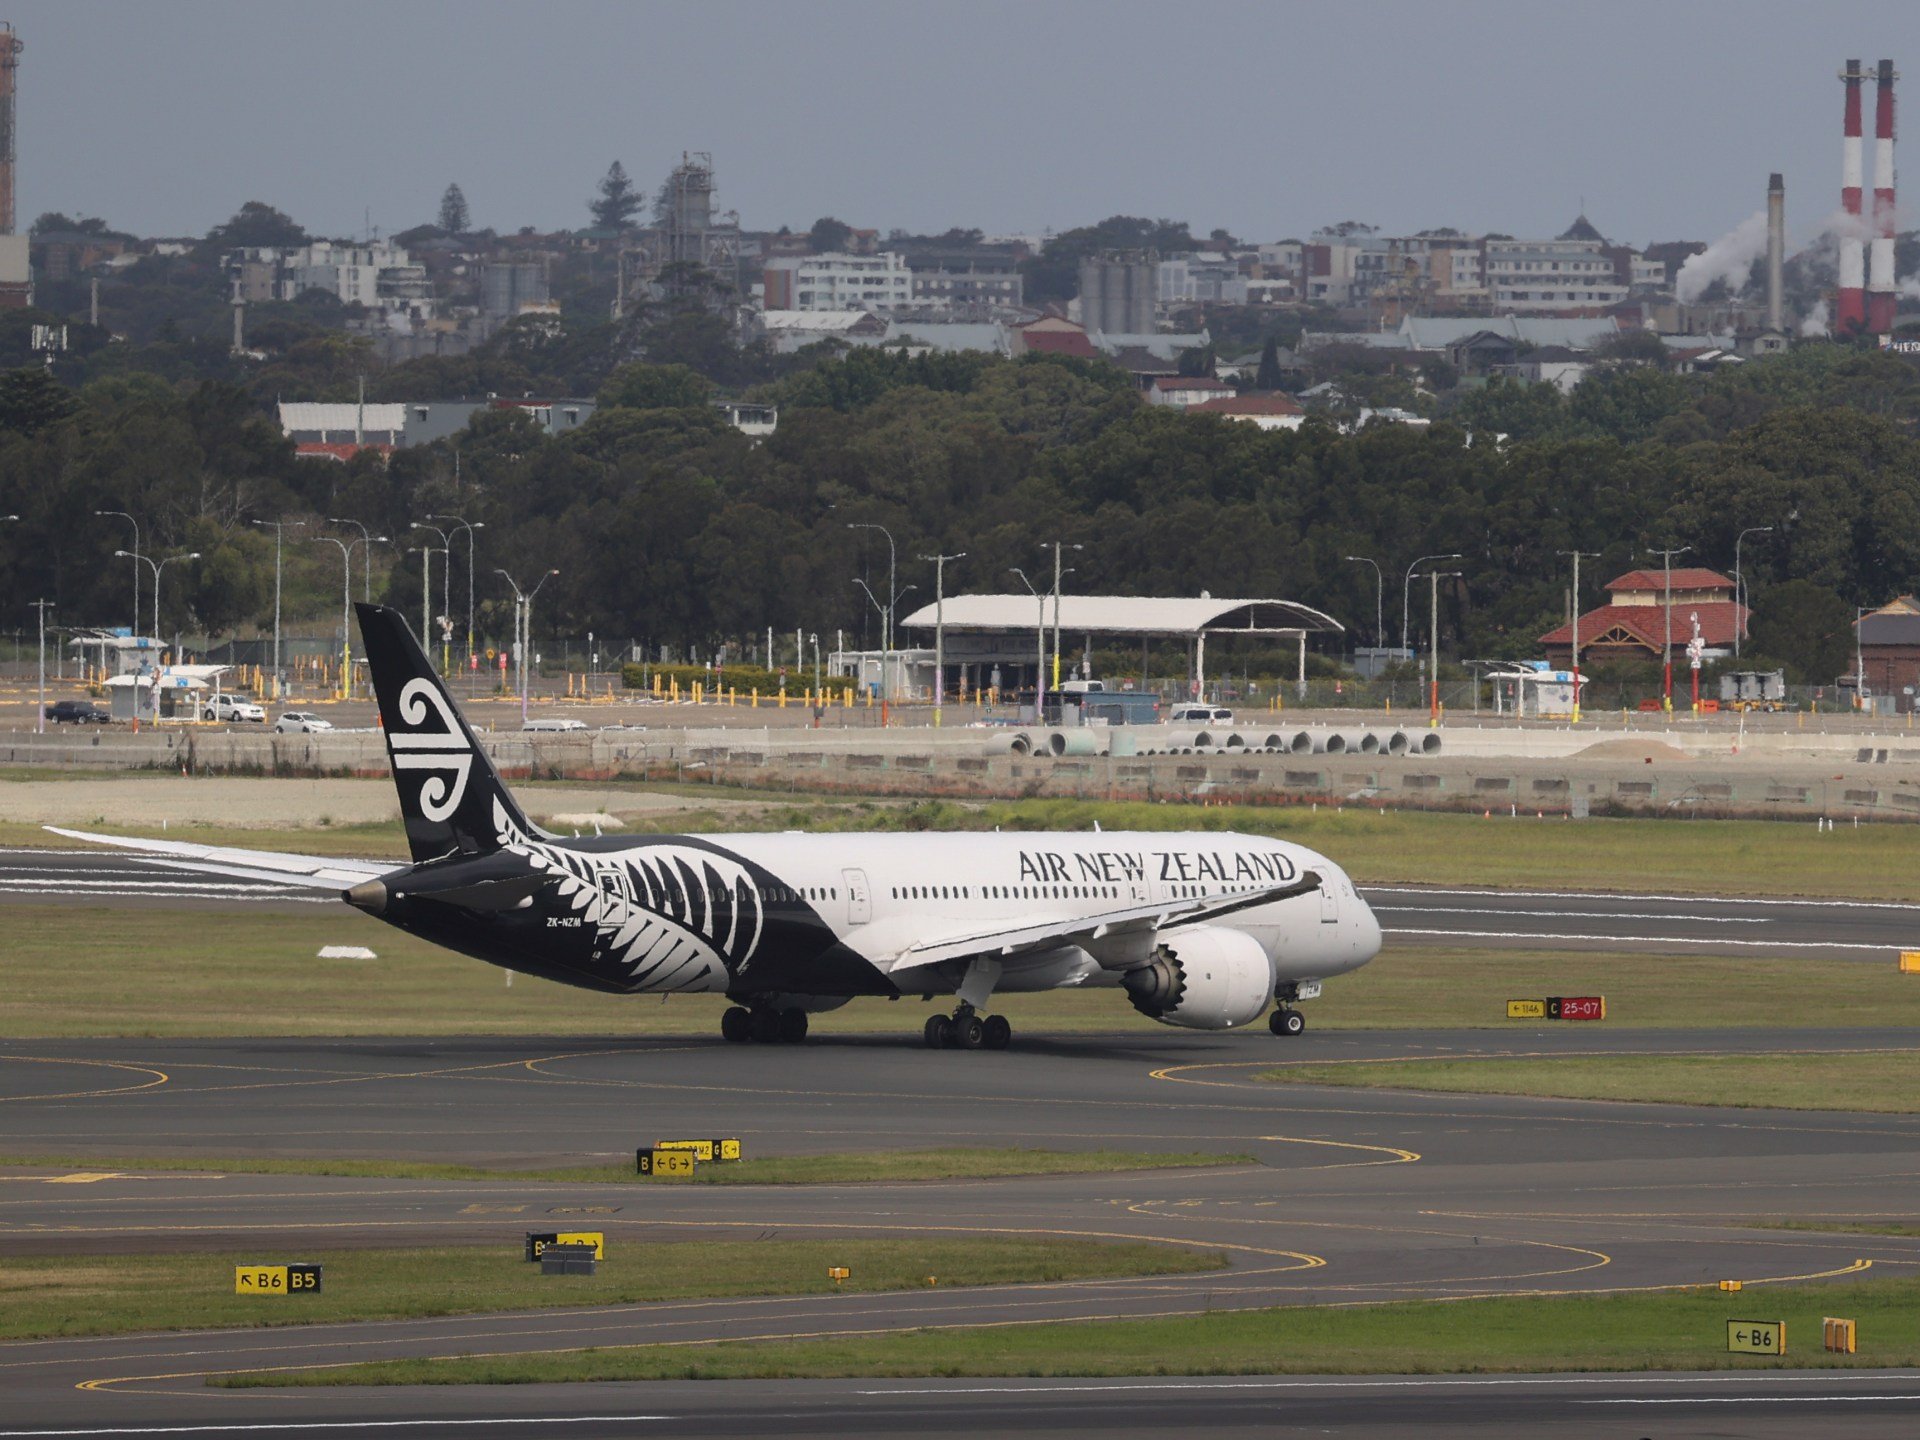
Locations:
column 1396, row 743
column 1428, row 743
column 1331, row 744
column 1073, row 742
column 1203, row 740
column 1235, row 741
column 1300, row 744
column 1366, row 742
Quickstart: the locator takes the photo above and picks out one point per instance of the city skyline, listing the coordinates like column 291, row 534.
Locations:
column 1664, row 125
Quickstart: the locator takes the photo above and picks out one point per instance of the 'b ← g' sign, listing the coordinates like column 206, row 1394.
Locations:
column 431, row 740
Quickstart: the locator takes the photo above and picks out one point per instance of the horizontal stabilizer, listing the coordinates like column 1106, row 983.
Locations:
column 319, row 872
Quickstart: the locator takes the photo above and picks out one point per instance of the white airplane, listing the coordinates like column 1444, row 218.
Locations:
column 1198, row 930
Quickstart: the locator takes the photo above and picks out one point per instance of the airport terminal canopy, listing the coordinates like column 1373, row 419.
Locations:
column 998, row 631
column 1175, row 617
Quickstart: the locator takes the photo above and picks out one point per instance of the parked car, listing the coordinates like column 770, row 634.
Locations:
column 298, row 722
column 231, row 708
column 551, row 725
column 1200, row 715
column 77, row 712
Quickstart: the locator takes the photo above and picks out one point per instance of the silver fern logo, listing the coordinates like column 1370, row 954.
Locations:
column 675, row 917
column 442, row 750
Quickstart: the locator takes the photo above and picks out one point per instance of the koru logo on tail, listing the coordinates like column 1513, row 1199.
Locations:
column 432, row 740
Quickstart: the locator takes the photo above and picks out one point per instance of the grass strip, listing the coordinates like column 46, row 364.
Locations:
column 1670, row 1330
column 1665, row 856
column 852, row 1168
column 255, row 973
column 106, row 1295
column 1904, row 1228
column 1882, row 1081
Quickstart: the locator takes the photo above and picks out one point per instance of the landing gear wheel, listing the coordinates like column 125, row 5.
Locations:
column 968, row 1032
column 1286, row 1022
column 996, row 1032
column 793, row 1026
column 766, row 1026
column 938, row 1032
column 736, row 1024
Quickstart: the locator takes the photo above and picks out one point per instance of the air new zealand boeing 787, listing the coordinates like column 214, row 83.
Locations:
column 1197, row 930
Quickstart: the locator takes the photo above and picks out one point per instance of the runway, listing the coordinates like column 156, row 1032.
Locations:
column 1561, row 920
column 1358, row 1196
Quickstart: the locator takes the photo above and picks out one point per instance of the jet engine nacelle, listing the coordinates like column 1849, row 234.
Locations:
column 1206, row 978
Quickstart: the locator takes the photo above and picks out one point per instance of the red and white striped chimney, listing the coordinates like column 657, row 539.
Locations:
column 1850, row 307
column 1882, row 299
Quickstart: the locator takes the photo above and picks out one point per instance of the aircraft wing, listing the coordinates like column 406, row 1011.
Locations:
column 1083, row 929
column 318, row 872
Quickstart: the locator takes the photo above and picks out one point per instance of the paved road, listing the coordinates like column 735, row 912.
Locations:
column 1360, row 1196
column 1560, row 920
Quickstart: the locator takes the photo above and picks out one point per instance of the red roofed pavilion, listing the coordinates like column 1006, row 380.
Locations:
column 1634, row 622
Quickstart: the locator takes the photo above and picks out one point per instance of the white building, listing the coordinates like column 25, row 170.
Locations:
column 1201, row 277
column 1533, row 275
column 878, row 283
column 379, row 277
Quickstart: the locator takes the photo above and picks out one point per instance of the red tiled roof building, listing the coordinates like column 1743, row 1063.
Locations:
column 1634, row 622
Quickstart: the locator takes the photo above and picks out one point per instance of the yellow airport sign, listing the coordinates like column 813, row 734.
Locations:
column 838, row 1273
column 1839, row 1336
column 702, row 1149
column 1730, row 1285
column 1756, row 1337
column 276, row 1279
column 1910, row 962
column 1526, row 1009
column 666, row 1164
column 538, row 1241
column 726, row 1149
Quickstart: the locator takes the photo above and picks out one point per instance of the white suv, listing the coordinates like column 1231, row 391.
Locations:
column 232, row 707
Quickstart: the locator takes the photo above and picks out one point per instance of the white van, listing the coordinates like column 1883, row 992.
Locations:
column 1200, row 715
column 550, row 726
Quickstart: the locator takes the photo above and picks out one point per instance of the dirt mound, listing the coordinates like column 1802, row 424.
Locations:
column 1628, row 749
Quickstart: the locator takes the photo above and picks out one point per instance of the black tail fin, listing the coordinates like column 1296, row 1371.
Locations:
column 450, row 795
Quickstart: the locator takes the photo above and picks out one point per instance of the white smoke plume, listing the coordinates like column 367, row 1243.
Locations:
column 1730, row 258
column 1815, row 325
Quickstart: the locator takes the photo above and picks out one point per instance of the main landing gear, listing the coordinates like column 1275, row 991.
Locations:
column 1285, row 1020
column 763, row 1024
column 964, row 1030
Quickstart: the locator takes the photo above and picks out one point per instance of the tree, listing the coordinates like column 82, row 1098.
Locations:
column 1268, row 376
column 454, row 218
column 256, row 223
column 30, row 401
column 829, row 235
column 1808, row 627
column 618, row 202
column 640, row 386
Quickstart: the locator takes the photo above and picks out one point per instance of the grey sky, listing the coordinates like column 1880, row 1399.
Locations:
column 1269, row 119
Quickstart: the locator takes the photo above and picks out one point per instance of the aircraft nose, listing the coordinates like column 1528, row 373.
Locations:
column 1367, row 934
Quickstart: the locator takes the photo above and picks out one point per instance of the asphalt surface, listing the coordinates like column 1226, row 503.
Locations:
column 1359, row 1196
column 1565, row 920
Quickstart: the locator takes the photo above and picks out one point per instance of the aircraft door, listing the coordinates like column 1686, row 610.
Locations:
column 859, row 897
column 1329, row 903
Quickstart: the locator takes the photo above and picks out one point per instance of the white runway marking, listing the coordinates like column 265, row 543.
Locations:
column 1648, row 940
column 262, row 1426
column 1801, row 902
column 1544, row 1382
column 1573, row 914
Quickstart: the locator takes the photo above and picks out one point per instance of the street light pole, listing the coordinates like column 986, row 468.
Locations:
column 1058, row 546
column 1577, row 555
column 279, row 529
column 523, row 611
column 1433, row 640
column 1406, row 638
column 346, row 607
column 1666, row 653
column 40, row 720
column 886, row 616
column 939, row 630
column 1739, row 584
column 135, row 552
column 469, row 526
column 1039, row 645
column 369, row 540
column 1379, row 596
